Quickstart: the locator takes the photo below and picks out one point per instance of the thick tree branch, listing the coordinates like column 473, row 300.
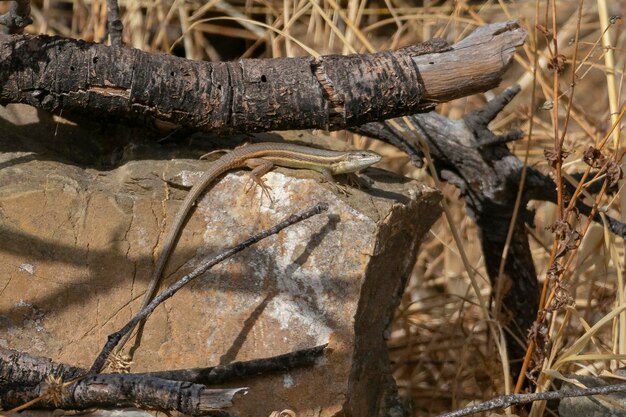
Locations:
column 123, row 390
column 474, row 65
column 25, row 378
column 331, row 92
column 542, row 188
column 21, row 375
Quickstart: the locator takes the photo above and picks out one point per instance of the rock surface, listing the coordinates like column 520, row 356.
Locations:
column 612, row 405
column 79, row 245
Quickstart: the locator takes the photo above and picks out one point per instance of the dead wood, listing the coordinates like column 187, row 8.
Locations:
column 21, row 377
column 478, row 162
column 25, row 378
column 330, row 92
column 24, row 369
column 114, row 23
column 20, row 368
column 123, row 390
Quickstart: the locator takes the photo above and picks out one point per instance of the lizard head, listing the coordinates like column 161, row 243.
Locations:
column 354, row 161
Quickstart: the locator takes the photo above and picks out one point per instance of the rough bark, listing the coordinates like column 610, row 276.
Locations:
column 114, row 24
column 20, row 368
column 18, row 16
column 329, row 92
column 24, row 378
column 178, row 390
column 125, row 390
column 24, row 369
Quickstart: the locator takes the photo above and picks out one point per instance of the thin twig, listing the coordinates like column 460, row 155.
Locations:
column 244, row 369
column 542, row 188
column 506, row 401
column 114, row 338
column 115, row 25
column 21, row 368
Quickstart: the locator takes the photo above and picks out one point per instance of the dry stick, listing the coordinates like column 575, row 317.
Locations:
column 115, row 25
column 558, row 144
column 18, row 16
column 146, row 390
column 20, row 368
column 114, row 338
column 162, row 390
column 506, row 401
column 123, row 390
column 240, row 370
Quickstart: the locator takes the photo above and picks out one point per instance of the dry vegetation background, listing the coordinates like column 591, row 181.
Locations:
column 442, row 355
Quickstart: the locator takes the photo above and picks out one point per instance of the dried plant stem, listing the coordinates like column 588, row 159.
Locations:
column 609, row 62
column 495, row 329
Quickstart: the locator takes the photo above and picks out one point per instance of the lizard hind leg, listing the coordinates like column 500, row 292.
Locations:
column 259, row 168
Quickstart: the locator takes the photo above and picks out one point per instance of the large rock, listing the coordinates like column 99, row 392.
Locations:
column 79, row 245
column 613, row 404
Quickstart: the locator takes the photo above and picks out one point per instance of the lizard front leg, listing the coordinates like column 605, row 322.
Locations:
column 259, row 168
column 328, row 177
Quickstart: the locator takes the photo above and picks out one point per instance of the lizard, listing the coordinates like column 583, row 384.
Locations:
column 260, row 158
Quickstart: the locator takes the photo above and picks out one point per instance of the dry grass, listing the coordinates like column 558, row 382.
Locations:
column 441, row 352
